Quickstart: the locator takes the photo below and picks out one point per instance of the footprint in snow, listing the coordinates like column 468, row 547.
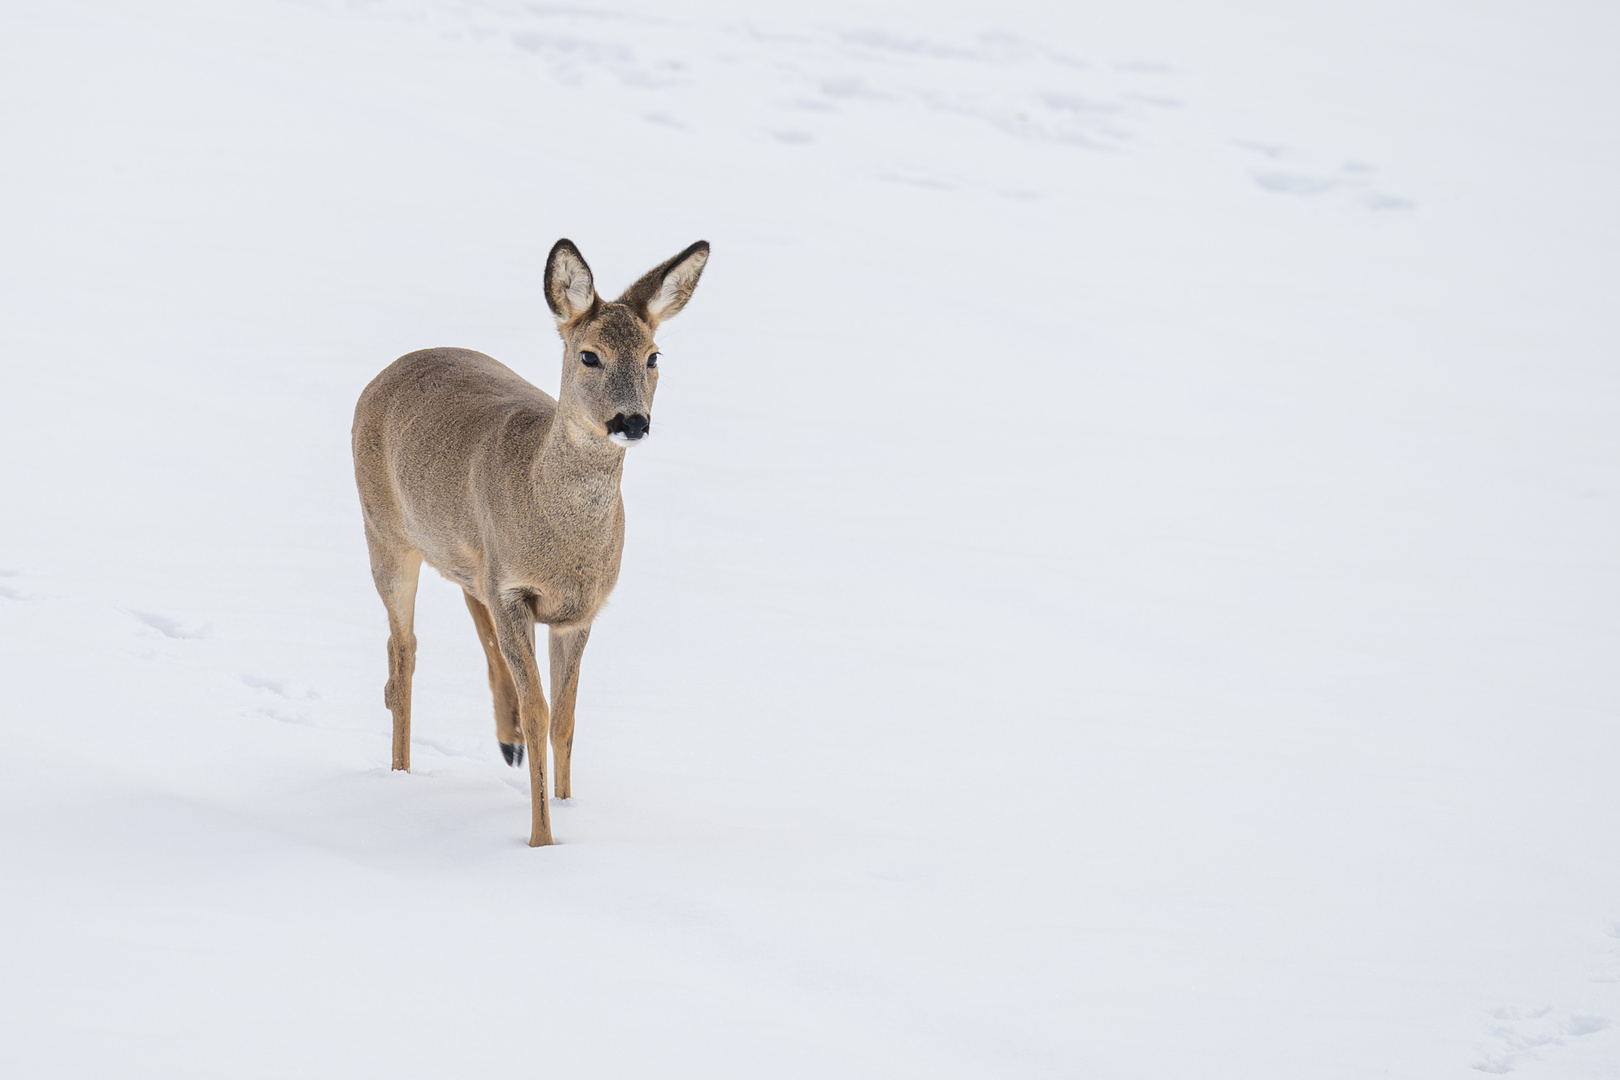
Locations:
column 287, row 708
column 1608, row 970
column 169, row 627
column 9, row 591
column 280, row 688
column 1290, row 176
column 1519, row 1035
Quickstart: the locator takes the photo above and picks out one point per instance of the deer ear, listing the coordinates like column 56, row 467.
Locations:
column 665, row 289
column 570, row 289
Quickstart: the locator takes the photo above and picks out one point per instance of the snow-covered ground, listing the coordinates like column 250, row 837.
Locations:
column 1126, row 583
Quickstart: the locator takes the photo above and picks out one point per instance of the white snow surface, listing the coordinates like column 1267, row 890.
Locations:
column 1125, row 582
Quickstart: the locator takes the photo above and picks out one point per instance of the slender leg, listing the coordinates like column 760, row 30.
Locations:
column 396, row 570
column 567, row 646
column 507, row 730
column 514, row 631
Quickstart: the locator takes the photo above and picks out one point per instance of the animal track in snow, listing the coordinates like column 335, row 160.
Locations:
column 288, row 708
column 883, row 93
column 858, row 82
column 1017, row 86
column 1608, row 970
column 170, row 627
column 1288, row 173
column 1521, row 1034
column 280, row 688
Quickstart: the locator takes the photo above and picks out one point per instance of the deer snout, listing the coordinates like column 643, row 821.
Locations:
column 625, row 430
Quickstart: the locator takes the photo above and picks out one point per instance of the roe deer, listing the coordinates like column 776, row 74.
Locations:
column 514, row 496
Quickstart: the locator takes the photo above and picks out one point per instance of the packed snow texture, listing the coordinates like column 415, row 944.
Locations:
column 1125, row 582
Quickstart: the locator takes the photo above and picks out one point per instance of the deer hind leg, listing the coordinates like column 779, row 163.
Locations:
column 395, row 569
column 567, row 646
column 507, row 730
column 514, row 631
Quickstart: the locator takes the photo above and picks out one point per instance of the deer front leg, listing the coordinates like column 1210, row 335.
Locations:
column 514, row 631
column 508, row 731
column 567, row 646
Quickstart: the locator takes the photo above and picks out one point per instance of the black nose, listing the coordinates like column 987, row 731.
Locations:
column 631, row 427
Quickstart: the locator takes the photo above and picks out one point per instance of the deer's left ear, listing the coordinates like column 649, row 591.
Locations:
column 665, row 289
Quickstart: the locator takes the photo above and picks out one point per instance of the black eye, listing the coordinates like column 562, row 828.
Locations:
column 652, row 361
column 590, row 359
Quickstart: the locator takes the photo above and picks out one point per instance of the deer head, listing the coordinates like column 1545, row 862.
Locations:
column 610, row 359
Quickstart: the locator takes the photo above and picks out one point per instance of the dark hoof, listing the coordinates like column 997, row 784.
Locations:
column 512, row 752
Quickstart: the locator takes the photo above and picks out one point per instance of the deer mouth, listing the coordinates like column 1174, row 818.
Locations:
column 628, row 430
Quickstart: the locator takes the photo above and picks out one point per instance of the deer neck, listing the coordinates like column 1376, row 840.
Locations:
column 577, row 471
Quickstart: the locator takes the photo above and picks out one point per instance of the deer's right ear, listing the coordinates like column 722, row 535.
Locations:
column 570, row 290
